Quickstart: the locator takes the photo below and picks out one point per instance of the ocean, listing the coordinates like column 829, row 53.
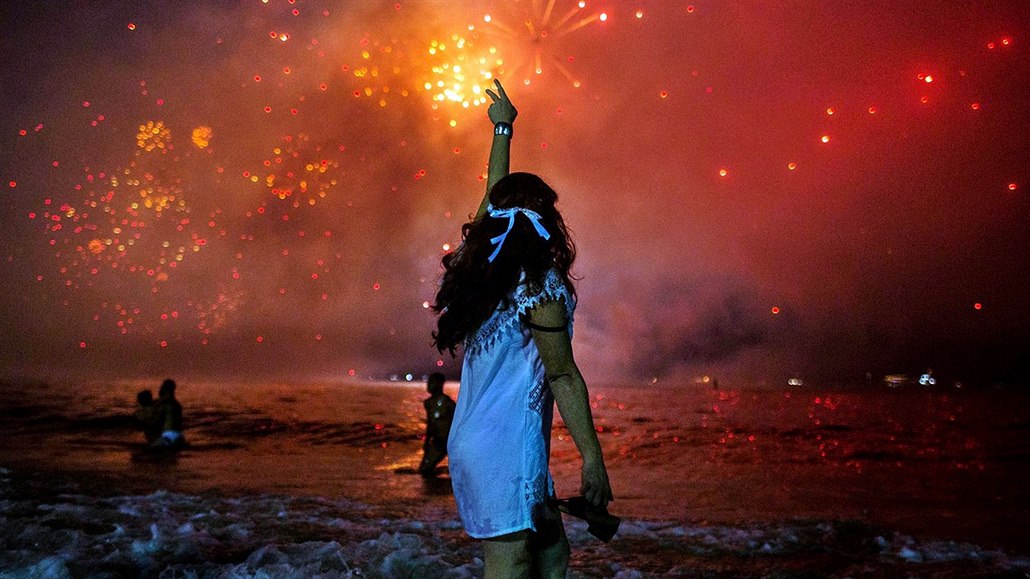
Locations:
column 314, row 479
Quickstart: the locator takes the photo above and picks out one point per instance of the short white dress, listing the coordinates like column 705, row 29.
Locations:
column 500, row 438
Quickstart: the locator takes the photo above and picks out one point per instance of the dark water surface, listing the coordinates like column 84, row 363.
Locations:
column 947, row 467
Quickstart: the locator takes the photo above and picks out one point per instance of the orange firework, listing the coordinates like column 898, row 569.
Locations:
column 537, row 29
column 297, row 169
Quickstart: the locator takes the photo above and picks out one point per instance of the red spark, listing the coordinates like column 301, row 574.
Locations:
column 775, row 310
column 132, row 26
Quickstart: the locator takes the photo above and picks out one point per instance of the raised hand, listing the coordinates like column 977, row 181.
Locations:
column 501, row 110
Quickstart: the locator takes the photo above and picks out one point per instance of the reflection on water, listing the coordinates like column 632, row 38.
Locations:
column 945, row 463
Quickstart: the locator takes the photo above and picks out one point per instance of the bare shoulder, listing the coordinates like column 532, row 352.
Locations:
column 551, row 314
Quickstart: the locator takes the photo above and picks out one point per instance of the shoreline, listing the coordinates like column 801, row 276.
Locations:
column 53, row 527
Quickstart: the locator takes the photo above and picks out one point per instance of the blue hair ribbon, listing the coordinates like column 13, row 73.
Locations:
column 510, row 214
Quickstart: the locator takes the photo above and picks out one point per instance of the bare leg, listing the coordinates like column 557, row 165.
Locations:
column 550, row 546
column 507, row 556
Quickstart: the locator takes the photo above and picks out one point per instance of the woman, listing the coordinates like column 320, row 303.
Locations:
column 507, row 297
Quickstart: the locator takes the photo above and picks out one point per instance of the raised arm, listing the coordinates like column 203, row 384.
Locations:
column 570, row 393
column 501, row 111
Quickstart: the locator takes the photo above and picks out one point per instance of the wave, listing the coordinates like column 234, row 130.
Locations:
column 166, row 534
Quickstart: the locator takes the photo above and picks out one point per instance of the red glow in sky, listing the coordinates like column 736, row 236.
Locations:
column 312, row 159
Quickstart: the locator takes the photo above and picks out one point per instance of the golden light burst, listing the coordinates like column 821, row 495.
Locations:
column 539, row 25
column 153, row 135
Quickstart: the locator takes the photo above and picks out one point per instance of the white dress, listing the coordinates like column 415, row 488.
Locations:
column 500, row 438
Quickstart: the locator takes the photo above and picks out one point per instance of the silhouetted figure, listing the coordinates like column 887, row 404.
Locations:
column 169, row 413
column 508, row 300
column 439, row 412
column 146, row 416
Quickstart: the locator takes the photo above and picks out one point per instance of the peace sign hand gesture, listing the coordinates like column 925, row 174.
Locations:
column 501, row 110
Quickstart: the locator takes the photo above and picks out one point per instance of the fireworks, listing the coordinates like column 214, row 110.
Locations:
column 153, row 135
column 297, row 171
column 202, row 137
column 534, row 32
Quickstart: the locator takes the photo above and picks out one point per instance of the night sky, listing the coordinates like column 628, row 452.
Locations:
column 758, row 190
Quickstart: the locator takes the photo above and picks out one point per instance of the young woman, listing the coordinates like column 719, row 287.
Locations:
column 508, row 299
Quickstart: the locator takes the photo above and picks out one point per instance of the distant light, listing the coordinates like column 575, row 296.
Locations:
column 132, row 26
column 376, row 286
column 873, row 110
column 82, row 344
column 1006, row 41
column 425, row 305
column 928, row 78
column 975, row 106
column 1012, row 186
column 690, row 8
column 775, row 310
column 664, row 94
column 792, row 166
column 604, row 16
column 978, row 306
column 723, row 172
column 439, row 363
column 830, row 110
column 640, row 13
column 408, row 377
column 825, row 138
column 925, row 99
column 990, row 45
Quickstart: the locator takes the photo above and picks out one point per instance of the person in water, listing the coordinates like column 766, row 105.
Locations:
column 439, row 412
column 146, row 416
column 169, row 413
column 507, row 298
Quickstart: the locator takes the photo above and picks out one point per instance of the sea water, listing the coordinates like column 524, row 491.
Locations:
column 302, row 480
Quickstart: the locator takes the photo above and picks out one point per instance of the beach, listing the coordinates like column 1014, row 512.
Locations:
column 298, row 480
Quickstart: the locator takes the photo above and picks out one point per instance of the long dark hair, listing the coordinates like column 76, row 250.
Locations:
column 473, row 287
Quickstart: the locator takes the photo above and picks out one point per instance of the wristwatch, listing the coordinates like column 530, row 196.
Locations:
column 503, row 128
